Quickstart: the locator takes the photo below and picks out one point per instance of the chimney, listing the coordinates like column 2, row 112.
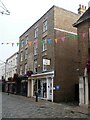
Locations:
column 81, row 9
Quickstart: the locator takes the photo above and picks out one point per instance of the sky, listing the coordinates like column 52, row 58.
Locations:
column 23, row 13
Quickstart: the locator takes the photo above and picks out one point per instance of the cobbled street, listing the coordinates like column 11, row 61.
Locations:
column 14, row 106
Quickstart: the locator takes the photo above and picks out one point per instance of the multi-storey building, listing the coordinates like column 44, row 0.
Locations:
column 2, row 71
column 49, row 49
column 83, row 29
column 11, row 65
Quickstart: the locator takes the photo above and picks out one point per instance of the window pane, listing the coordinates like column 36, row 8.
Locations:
column 44, row 43
column 89, row 34
column 36, row 32
column 45, row 26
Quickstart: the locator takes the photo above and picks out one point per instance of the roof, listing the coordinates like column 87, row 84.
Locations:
column 83, row 18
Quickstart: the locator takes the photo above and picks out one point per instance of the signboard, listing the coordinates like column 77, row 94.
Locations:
column 57, row 87
column 46, row 62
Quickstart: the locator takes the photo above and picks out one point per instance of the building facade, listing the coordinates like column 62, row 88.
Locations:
column 11, row 66
column 49, row 49
column 2, row 71
column 83, row 29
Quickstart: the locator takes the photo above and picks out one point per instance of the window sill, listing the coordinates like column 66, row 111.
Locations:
column 44, row 50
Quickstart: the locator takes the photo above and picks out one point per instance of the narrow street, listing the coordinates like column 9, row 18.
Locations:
column 14, row 106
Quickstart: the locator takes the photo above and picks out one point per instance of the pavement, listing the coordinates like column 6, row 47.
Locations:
column 14, row 106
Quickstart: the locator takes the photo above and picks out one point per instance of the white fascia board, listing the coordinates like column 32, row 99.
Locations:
column 65, row 31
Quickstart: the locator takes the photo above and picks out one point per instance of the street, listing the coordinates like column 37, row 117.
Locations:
column 14, row 106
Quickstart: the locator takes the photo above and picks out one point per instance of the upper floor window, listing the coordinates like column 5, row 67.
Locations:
column 26, row 53
column 44, row 42
column 22, row 42
column 35, row 66
column 35, row 48
column 89, row 35
column 21, row 56
column 45, row 26
column 44, row 65
column 25, row 68
column 36, row 32
column 20, row 70
column 26, row 38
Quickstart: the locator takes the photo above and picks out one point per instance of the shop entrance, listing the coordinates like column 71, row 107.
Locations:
column 40, row 86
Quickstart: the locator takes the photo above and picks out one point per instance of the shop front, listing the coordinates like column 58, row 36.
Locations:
column 42, row 84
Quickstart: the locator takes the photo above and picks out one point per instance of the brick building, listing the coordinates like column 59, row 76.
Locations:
column 49, row 49
column 83, row 29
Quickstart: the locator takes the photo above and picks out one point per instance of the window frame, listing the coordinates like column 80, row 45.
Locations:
column 26, row 53
column 44, row 66
column 25, row 71
column 26, row 39
column 89, row 35
column 36, row 32
column 44, row 47
column 35, row 66
column 45, row 25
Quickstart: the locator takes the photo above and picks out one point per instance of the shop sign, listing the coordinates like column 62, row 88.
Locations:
column 57, row 87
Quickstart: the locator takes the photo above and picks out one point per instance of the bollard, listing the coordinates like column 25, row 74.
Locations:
column 36, row 93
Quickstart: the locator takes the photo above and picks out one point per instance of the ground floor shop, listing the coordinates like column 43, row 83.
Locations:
column 41, row 84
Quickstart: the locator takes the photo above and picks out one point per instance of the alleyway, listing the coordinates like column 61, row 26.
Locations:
column 14, row 106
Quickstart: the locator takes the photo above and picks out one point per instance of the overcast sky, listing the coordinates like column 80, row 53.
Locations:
column 23, row 13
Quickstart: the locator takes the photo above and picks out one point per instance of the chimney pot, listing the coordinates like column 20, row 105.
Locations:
column 82, row 6
column 79, row 5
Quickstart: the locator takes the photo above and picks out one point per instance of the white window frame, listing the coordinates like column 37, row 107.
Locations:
column 36, row 32
column 45, row 26
column 26, row 53
column 21, row 55
column 26, row 38
column 44, row 43
column 22, row 42
column 35, row 49
column 35, row 66
column 44, row 66
column 20, row 70
column 25, row 68
column 89, row 35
